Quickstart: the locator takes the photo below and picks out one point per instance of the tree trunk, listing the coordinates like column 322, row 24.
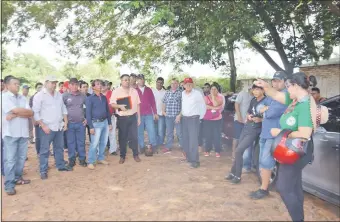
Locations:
column 233, row 74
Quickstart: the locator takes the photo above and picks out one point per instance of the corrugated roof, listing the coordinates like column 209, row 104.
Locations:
column 332, row 61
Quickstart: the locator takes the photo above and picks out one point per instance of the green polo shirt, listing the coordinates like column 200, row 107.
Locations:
column 299, row 117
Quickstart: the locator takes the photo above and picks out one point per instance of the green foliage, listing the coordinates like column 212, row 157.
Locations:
column 32, row 68
column 146, row 33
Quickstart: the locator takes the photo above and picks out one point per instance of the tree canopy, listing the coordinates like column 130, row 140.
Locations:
column 144, row 34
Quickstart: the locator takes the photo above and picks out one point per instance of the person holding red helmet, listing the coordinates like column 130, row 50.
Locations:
column 300, row 118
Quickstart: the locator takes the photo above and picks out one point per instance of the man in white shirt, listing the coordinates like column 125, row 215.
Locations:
column 15, row 115
column 159, row 94
column 51, row 114
column 193, row 109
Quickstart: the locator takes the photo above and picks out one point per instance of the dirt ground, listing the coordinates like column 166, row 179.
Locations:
column 158, row 188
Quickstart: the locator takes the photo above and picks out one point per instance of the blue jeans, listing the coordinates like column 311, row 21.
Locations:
column 170, row 126
column 147, row 122
column 2, row 158
column 76, row 141
column 57, row 138
column 15, row 153
column 98, row 141
column 266, row 159
column 160, row 130
column 248, row 158
column 37, row 138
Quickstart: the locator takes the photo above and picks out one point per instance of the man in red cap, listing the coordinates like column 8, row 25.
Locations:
column 193, row 109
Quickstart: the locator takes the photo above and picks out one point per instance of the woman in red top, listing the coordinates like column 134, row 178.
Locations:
column 213, row 120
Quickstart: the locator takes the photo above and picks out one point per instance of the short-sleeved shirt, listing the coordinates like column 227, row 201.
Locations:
column 208, row 101
column 120, row 93
column 299, row 116
column 243, row 99
column 50, row 109
column 17, row 127
column 75, row 104
column 173, row 102
column 193, row 104
column 159, row 95
column 254, row 109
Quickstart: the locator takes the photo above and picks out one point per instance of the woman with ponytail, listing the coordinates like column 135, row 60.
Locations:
column 300, row 118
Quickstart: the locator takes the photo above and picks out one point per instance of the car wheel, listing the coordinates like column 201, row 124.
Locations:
column 273, row 177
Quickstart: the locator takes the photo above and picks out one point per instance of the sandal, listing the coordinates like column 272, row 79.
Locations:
column 22, row 182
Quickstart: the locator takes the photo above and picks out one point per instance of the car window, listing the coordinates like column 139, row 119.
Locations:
column 333, row 124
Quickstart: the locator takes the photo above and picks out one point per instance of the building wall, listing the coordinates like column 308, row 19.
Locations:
column 245, row 84
column 328, row 78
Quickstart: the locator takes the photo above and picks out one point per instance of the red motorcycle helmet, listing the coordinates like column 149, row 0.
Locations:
column 287, row 150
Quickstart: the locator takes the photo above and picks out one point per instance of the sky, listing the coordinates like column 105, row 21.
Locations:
column 248, row 62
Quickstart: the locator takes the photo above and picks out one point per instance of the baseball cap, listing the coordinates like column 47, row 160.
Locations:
column 140, row 76
column 255, row 86
column 281, row 75
column 73, row 81
column 51, row 78
column 188, row 80
column 25, row 87
column 66, row 83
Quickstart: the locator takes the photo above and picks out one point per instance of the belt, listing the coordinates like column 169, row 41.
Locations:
column 133, row 115
column 98, row 120
column 192, row 117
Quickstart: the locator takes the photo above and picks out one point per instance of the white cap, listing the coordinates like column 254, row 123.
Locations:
column 51, row 78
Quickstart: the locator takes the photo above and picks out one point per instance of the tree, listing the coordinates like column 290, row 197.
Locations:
column 144, row 33
column 33, row 68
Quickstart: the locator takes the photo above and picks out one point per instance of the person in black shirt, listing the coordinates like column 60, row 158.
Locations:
column 250, row 133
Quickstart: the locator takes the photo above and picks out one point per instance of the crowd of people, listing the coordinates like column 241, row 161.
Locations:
column 61, row 118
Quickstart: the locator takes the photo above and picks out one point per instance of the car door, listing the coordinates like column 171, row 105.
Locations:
column 321, row 178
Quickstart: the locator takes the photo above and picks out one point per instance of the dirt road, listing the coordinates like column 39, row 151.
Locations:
column 158, row 188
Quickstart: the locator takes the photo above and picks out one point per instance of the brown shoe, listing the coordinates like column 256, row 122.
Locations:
column 90, row 166
column 122, row 160
column 137, row 159
column 103, row 162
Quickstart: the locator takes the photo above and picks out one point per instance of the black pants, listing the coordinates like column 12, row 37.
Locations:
column 201, row 135
column 88, row 132
column 248, row 136
column 37, row 138
column 65, row 141
column 289, row 186
column 212, row 134
column 127, row 132
column 190, row 126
